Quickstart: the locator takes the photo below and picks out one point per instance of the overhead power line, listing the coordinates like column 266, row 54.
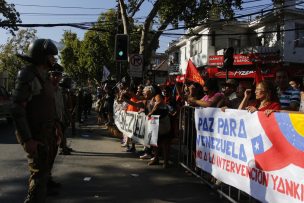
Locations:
column 62, row 14
column 229, row 34
column 63, row 7
column 88, row 26
column 240, row 16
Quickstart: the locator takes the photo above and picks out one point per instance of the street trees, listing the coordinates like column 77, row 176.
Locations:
column 98, row 46
column 69, row 55
column 166, row 12
column 85, row 59
column 9, row 16
column 17, row 44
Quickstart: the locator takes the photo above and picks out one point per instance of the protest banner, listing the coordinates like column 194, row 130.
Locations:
column 137, row 126
column 262, row 156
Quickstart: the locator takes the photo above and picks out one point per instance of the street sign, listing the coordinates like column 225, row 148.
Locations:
column 136, row 64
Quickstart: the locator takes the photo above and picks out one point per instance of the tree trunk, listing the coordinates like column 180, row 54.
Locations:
column 124, row 16
column 145, row 32
column 155, row 38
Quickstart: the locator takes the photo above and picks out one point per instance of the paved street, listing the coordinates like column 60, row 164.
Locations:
column 99, row 171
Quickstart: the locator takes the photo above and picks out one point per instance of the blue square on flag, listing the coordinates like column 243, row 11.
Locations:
column 257, row 145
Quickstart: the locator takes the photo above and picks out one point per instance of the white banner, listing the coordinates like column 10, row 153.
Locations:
column 262, row 156
column 138, row 126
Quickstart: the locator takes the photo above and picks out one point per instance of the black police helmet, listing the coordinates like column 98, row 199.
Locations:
column 40, row 48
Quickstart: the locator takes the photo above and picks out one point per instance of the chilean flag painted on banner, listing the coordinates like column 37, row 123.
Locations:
column 286, row 133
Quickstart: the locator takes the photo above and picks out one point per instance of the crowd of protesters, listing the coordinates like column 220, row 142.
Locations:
column 279, row 94
column 45, row 104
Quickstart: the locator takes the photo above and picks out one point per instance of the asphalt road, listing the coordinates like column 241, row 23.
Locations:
column 99, row 171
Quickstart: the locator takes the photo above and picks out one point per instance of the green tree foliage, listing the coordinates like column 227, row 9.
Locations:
column 166, row 12
column 69, row 55
column 9, row 16
column 17, row 44
column 85, row 59
column 98, row 47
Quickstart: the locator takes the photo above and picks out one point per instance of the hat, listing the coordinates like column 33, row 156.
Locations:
column 231, row 82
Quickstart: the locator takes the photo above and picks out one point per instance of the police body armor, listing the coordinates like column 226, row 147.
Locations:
column 39, row 112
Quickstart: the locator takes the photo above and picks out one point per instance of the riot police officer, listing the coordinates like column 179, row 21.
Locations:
column 33, row 111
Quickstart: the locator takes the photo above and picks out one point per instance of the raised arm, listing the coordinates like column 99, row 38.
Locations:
column 245, row 100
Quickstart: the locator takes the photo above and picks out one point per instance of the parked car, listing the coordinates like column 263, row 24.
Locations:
column 5, row 103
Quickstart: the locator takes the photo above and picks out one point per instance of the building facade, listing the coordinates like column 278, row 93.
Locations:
column 275, row 38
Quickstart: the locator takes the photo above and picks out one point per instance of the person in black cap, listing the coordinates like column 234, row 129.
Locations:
column 34, row 114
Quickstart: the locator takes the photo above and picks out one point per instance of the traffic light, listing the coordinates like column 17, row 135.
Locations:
column 121, row 47
column 228, row 58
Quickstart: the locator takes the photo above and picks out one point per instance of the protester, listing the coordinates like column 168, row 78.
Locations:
column 266, row 98
column 34, row 113
column 174, row 108
column 108, row 105
column 99, row 104
column 297, row 85
column 154, row 104
column 289, row 97
column 230, row 88
column 132, row 108
column 87, row 105
column 196, row 91
column 212, row 95
column 80, row 105
column 235, row 103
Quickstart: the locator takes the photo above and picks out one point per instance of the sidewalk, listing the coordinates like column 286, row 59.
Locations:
column 100, row 171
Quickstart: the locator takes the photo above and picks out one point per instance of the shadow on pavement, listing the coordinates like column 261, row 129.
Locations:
column 118, row 155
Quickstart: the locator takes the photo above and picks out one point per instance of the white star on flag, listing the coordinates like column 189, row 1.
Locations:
column 257, row 146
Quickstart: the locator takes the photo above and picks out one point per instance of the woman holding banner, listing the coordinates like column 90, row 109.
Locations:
column 266, row 98
column 154, row 104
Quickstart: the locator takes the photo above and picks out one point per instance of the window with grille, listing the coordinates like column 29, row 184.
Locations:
column 299, row 35
column 234, row 42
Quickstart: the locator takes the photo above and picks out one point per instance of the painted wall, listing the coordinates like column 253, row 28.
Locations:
column 286, row 45
column 291, row 52
column 221, row 42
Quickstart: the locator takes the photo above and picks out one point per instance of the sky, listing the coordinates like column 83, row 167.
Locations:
column 95, row 7
column 34, row 11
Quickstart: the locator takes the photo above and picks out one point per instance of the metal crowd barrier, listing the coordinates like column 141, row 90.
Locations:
column 187, row 150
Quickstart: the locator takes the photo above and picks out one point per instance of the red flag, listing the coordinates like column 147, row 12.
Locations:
column 192, row 74
column 258, row 75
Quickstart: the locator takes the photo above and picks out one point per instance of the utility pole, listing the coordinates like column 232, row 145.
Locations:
column 118, row 64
